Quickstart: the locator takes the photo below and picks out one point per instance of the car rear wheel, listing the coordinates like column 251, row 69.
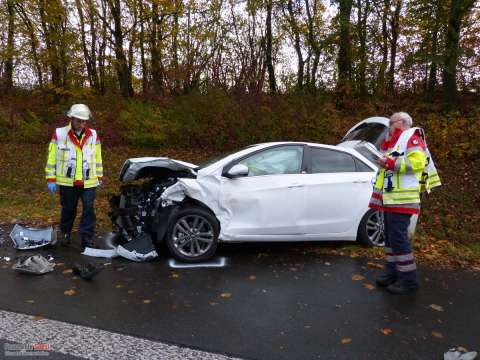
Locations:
column 371, row 229
column 192, row 235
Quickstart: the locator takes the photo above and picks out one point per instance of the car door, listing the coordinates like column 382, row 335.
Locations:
column 270, row 200
column 338, row 188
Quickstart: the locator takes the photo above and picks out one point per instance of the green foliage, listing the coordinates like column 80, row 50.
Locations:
column 144, row 124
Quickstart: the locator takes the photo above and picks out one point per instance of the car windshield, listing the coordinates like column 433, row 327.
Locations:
column 372, row 132
column 216, row 158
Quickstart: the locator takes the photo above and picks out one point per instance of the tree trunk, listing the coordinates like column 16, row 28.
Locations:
column 8, row 72
column 123, row 73
column 362, row 38
column 380, row 88
column 271, row 70
column 344, row 60
column 297, row 44
column 458, row 11
column 395, row 31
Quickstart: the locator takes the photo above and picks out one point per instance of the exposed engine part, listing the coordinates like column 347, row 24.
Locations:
column 135, row 209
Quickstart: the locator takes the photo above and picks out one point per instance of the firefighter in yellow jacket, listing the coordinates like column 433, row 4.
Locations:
column 74, row 165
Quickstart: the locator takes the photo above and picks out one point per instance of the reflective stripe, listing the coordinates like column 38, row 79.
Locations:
column 390, row 258
column 388, row 250
column 406, row 205
column 50, row 166
column 375, row 202
column 401, row 199
column 398, row 164
column 408, row 165
column 405, row 257
column 406, row 268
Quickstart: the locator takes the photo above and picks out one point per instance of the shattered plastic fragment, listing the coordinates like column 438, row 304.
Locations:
column 35, row 264
column 139, row 249
column 459, row 354
column 110, row 253
column 30, row 238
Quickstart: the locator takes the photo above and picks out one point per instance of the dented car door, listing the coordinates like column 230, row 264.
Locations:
column 270, row 201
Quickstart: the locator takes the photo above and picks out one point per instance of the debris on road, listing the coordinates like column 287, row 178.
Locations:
column 35, row 264
column 26, row 238
column 459, row 353
column 86, row 270
column 139, row 249
column 103, row 253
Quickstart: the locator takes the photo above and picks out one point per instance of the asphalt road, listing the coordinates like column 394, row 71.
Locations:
column 271, row 301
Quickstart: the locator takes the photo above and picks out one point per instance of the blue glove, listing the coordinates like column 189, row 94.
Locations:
column 52, row 187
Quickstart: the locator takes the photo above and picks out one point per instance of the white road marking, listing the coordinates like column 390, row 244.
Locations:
column 91, row 343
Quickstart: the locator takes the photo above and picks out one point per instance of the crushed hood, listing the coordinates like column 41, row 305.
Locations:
column 137, row 168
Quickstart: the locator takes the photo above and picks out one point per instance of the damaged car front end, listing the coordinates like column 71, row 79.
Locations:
column 142, row 214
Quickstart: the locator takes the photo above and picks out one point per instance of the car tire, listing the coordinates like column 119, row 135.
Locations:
column 188, row 232
column 371, row 229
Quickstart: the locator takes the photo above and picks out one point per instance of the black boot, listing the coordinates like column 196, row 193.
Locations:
column 385, row 280
column 400, row 289
column 65, row 239
column 87, row 242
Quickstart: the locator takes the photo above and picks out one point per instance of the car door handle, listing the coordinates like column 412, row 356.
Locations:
column 360, row 182
column 295, row 186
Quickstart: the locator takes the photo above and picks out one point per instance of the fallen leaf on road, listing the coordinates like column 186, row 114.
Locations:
column 174, row 276
column 226, row 295
column 374, row 265
column 30, row 301
column 293, row 269
column 59, row 264
column 212, row 303
column 346, row 341
column 147, row 301
column 251, row 277
column 67, row 271
column 119, row 286
column 436, row 307
column 369, row 286
column 386, row 331
column 357, row 277
column 37, row 317
column 437, row 335
column 130, row 291
column 69, row 292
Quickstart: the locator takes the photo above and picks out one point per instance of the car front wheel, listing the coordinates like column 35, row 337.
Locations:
column 192, row 235
column 371, row 229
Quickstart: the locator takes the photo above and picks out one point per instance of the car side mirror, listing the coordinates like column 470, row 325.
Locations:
column 236, row 171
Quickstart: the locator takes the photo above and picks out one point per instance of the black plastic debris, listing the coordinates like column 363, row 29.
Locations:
column 26, row 238
column 86, row 270
column 139, row 249
column 35, row 264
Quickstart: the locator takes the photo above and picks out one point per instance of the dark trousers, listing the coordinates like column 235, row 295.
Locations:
column 69, row 196
column 398, row 250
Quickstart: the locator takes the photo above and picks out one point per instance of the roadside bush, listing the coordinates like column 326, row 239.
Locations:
column 144, row 124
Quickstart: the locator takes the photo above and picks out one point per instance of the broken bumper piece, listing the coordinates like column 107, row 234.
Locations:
column 139, row 249
column 25, row 238
column 35, row 264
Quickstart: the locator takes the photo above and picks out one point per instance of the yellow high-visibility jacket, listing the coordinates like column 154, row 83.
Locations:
column 73, row 162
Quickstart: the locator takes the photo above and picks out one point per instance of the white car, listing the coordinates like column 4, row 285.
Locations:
column 281, row 191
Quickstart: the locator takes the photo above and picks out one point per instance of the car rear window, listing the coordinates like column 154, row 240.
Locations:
column 331, row 161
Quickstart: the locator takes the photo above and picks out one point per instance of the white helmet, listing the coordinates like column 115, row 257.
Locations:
column 79, row 111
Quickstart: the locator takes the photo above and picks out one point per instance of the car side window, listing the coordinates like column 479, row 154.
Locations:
column 275, row 161
column 331, row 161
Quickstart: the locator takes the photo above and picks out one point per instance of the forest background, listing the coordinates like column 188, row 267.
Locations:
column 190, row 79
